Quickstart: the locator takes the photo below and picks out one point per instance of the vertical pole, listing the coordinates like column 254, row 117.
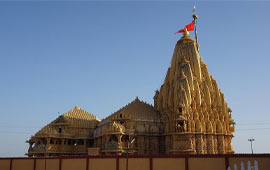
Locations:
column 186, row 163
column 151, row 163
column 251, row 148
column 87, row 163
column 10, row 164
column 46, row 148
column 195, row 25
column 60, row 164
column 117, row 163
column 127, row 156
column 35, row 161
column 251, row 140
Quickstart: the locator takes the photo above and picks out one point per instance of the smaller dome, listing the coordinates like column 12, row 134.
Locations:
column 137, row 110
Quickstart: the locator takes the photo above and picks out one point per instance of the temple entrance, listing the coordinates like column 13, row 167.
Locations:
column 112, row 146
column 113, row 138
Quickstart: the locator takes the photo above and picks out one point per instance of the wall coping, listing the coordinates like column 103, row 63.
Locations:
column 148, row 156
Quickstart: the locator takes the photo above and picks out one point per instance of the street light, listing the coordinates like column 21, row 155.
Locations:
column 251, row 140
column 129, row 143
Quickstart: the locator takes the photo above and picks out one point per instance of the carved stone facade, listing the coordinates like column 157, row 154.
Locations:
column 70, row 134
column 137, row 120
column 190, row 116
column 193, row 110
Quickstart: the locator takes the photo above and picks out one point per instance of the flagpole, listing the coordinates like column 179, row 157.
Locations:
column 195, row 24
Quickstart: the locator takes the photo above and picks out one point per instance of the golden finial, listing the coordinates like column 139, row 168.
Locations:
column 185, row 33
column 77, row 107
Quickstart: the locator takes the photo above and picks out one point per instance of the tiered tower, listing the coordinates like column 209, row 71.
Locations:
column 193, row 110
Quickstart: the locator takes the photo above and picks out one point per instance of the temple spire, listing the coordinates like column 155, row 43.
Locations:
column 195, row 17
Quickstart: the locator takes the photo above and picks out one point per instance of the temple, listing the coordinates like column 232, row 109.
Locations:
column 189, row 116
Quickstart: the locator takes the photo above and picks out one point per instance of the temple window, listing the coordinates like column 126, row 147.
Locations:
column 69, row 142
column 80, row 142
column 59, row 130
column 113, row 138
column 121, row 116
column 180, row 109
column 180, row 124
column 51, row 141
column 91, row 143
column 58, row 141
column 73, row 142
column 125, row 138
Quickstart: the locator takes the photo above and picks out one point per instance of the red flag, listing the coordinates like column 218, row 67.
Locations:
column 190, row 27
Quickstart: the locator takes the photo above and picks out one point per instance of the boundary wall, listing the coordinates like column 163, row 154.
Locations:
column 164, row 162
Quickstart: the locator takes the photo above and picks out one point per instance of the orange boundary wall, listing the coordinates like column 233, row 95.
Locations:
column 227, row 158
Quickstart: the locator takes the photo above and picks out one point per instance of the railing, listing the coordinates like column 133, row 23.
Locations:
column 248, row 167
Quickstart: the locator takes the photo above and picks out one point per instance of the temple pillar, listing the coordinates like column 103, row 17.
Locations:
column 199, row 144
column 140, row 145
column 119, row 137
column 215, row 144
column 62, row 141
column 167, row 144
column 221, row 149
column 230, row 147
column 147, row 144
column 48, row 141
column 210, row 144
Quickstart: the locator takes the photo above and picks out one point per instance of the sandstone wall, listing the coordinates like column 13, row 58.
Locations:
column 171, row 162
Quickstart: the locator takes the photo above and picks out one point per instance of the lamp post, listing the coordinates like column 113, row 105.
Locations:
column 251, row 140
column 129, row 143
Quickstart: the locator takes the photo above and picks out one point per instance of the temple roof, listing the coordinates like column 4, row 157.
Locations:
column 78, row 113
column 136, row 110
column 75, row 117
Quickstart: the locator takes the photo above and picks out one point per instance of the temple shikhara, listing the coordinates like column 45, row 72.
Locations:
column 189, row 116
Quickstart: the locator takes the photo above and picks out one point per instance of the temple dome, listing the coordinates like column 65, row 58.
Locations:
column 75, row 117
column 136, row 110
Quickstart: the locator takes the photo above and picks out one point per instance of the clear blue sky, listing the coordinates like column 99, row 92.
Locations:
column 101, row 55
